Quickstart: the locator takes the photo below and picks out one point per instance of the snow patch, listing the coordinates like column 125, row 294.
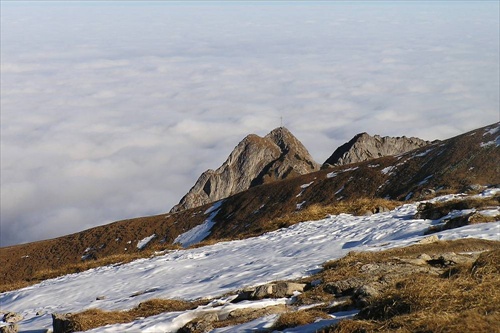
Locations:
column 143, row 242
column 339, row 190
column 335, row 173
column 303, row 187
column 425, row 180
column 331, row 174
column 424, row 153
column 306, row 185
column 491, row 131
column 299, row 205
column 200, row 232
column 211, row 271
column 494, row 212
column 349, row 169
column 387, row 170
column 495, row 142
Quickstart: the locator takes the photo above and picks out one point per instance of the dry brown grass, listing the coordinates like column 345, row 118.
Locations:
column 349, row 265
column 298, row 318
column 465, row 299
column 93, row 318
column 435, row 210
column 84, row 265
column 318, row 211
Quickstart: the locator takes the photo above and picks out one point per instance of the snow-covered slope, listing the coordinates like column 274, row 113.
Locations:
column 211, row 271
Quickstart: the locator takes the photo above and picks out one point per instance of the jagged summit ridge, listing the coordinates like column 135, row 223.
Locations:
column 255, row 160
column 364, row 147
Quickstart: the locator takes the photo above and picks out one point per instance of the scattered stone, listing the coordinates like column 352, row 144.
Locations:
column 280, row 289
column 382, row 209
column 286, row 289
column 244, row 295
column 100, row 298
column 316, row 283
column 428, row 192
column 11, row 328
column 12, row 317
column 428, row 211
column 424, row 256
column 61, row 323
column 199, row 325
column 368, row 290
column 449, row 259
column 369, row 267
column 262, row 291
column 429, row 240
column 343, row 287
column 474, row 188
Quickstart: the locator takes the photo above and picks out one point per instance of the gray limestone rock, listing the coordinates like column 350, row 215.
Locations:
column 254, row 161
column 365, row 147
column 200, row 325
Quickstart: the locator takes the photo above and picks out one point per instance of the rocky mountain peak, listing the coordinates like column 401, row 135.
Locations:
column 364, row 147
column 255, row 160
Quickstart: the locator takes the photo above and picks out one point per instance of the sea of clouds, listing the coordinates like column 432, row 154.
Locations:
column 112, row 110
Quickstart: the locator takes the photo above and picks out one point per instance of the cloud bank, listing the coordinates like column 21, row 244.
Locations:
column 111, row 111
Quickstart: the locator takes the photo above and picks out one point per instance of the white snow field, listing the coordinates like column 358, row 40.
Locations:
column 211, row 271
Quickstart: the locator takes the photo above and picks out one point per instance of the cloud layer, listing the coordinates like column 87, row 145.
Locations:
column 111, row 111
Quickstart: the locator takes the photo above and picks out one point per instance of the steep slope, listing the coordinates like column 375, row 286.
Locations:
column 222, row 269
column 253, row 161
column 365, row 147
column 468, row 161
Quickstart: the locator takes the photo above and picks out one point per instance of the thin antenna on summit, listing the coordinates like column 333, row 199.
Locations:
column 281, row 121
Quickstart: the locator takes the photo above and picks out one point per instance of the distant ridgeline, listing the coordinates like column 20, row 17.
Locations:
column 280, row 155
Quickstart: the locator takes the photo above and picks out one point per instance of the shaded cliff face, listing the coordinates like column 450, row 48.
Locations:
column 254, row 161
column 365, row 147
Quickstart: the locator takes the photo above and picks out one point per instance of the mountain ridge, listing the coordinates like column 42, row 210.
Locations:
column 363, row 147
column 254, row 161
column 469, row 160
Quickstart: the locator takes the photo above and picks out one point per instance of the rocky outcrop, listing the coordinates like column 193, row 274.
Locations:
column 62, row 323
column 12, row 317
column 364, row 147
column 11, row 328
column 254, row 161
column 270, row 290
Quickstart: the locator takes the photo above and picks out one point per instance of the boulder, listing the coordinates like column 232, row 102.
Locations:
column 429, row 240
column 343, row 287
column 262, row 291
column 200, row 325
column 287, row 289
column 11, row 328
column 12, row 317
column 279, row 289
column 62, row 323
column 449, row 259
